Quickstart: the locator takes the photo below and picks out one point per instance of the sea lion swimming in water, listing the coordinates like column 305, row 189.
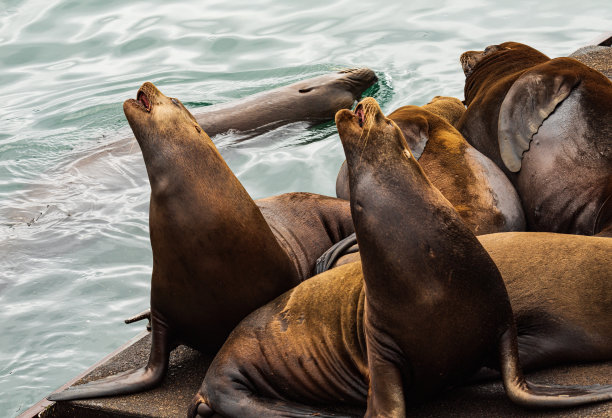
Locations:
column 547, row 123
column 425, row 309
column 477, row 188
column 216, row 255
column 314, row 100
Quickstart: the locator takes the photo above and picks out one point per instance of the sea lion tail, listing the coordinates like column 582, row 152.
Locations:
column 535, row 395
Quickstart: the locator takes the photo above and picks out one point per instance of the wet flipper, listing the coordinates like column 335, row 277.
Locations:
column 131, row 381
column 329, row 257
column 534, row 395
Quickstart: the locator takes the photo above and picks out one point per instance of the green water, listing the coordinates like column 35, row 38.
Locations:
column 75, row 258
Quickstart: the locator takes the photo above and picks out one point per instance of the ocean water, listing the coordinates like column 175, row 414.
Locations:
column 75, row 257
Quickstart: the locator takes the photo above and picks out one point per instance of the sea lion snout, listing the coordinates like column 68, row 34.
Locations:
column 148, row 95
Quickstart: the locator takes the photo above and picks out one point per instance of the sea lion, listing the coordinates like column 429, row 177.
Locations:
column 547, row 123
column 477, row 188
column 216, row 257
column 314, row 100
column 424, row 310
column 560, row 289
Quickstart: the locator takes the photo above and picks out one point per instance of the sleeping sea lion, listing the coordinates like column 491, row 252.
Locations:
column 424, row 310
column 547, row 123
column 477, row 188
column 216, row 257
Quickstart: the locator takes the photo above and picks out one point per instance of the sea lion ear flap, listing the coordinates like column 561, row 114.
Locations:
column 416, row 134
column 530, row 100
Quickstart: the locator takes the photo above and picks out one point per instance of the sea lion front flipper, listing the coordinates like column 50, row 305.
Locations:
column 146, row 314
column 530, row 100
column 386, row 392
column 534, row 395
column 131, row 381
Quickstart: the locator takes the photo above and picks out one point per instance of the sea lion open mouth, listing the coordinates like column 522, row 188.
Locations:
column 359, row 112
column 142, row 98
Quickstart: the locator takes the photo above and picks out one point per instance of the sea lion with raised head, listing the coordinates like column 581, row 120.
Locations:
column 547, row 123
column 476, row 187
column 424, row 310
column 216, row 257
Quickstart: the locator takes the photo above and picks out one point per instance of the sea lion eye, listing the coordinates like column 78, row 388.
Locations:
column 306, row 90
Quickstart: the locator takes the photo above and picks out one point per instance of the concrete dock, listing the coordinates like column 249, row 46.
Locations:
column 187, row 369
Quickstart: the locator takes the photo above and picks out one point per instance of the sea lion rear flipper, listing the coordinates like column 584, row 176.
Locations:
column 534, row 395
column 530, row 100
column 131, row 381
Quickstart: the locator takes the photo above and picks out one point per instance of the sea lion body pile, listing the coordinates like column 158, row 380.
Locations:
column 425, row 304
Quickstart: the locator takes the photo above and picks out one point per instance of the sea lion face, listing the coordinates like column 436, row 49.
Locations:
column 494, row 63
column 471, row 59
column 156, row 118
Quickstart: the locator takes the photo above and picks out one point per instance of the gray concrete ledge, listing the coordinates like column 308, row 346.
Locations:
column 187, row 369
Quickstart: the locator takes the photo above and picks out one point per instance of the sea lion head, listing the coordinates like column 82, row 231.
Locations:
column 450, row 109
column 368, row 136
column 156, row 119
column 470, row 59
column 329, row 93
column 494, row 63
